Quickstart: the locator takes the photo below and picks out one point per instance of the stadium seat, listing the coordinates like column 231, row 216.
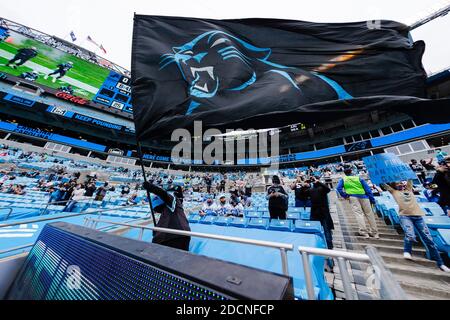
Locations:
column 258, row 223
column 208, row 219
column 253, row 214
column 239, row 222
column 301, row 226
column 223, row 221
column 280, row 225
column 293, row 215
column 442, row 240
column 194, row 218
column 442, row 222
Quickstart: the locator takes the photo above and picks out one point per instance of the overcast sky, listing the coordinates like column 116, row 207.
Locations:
column 110, row 22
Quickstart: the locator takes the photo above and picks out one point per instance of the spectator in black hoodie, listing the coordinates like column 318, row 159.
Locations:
column 442, row 180
column 320, row 210
column 278, row 199
column 172, row 217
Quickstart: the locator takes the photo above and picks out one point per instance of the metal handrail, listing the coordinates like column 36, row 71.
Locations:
column 16, row 248
column 283, row 247
column 2, row 225
column 10, row 211
column 389, row 288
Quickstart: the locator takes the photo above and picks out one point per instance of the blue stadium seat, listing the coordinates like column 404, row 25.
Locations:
column 307, row 226
column 280, row 225
column 258, row 223
column 265, row 215
column 293, row 215
column 239, row 222
column 208, row 219
column 253, row 214
column 194, row 218
column 442, row 222
column 442, row 240
column 223, row 221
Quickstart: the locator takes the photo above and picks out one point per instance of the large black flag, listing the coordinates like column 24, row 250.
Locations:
column 264, row 73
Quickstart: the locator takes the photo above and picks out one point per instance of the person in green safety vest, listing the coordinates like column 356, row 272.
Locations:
column 355, row 190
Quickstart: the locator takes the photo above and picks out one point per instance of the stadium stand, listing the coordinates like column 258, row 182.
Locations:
column 63, row 159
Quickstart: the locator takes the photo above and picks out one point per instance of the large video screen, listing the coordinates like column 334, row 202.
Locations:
column 34, row 61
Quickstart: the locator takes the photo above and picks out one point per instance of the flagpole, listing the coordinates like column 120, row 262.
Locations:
column 139, row 150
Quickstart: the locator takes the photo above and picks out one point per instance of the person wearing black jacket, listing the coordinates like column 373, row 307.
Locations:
column 442, row 180
column 320, row 210
column 172, row 217
column 278, row 199
column 301, row 189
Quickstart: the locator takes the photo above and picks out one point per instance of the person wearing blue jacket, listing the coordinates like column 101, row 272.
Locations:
column 355, row 190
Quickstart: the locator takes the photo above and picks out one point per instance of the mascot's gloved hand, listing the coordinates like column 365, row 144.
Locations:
column 146, row 185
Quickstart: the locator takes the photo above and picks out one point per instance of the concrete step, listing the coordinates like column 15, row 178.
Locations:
column 420, row 252
column 383, row 235
column 355, row 228
column 422, row 272
column 418, row 261
column 414, row 285
column 382, row 241
column 353, row 220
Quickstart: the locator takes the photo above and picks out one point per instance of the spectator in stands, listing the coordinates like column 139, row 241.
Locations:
column 301, row 190
column 90, row 189
column 327, row 178
column 208, row 182
column 132, row 199
column 236, row 209
column 222, row 185
column 101, row 192
column 431, row 192
column 172, row 217
column 427, row 164
column 248, row 189
column 222, row 206
column 77, row 196
column 411, row 218
column 442, row 180
column 208, row 207
column 55, row 194
column 278, row 199
column 125, row 190
column 320, row 210
column 419, row 170
column 355, row 190
column 246, row 201
column 440, row 155
column 376, row 191
column 67, row 192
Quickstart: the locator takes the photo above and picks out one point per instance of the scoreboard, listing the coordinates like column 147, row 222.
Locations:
column 115, row 92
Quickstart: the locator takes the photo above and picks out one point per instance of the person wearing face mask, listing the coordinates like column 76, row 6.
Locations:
column 172, row 216
column 209, row 207
column 442, row 180
column 222, row 207
column 278, row 199
column 236, row 209
column 411, row 219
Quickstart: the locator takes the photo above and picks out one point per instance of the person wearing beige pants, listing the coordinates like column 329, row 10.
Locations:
column 356, row 190
column 363, row 210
